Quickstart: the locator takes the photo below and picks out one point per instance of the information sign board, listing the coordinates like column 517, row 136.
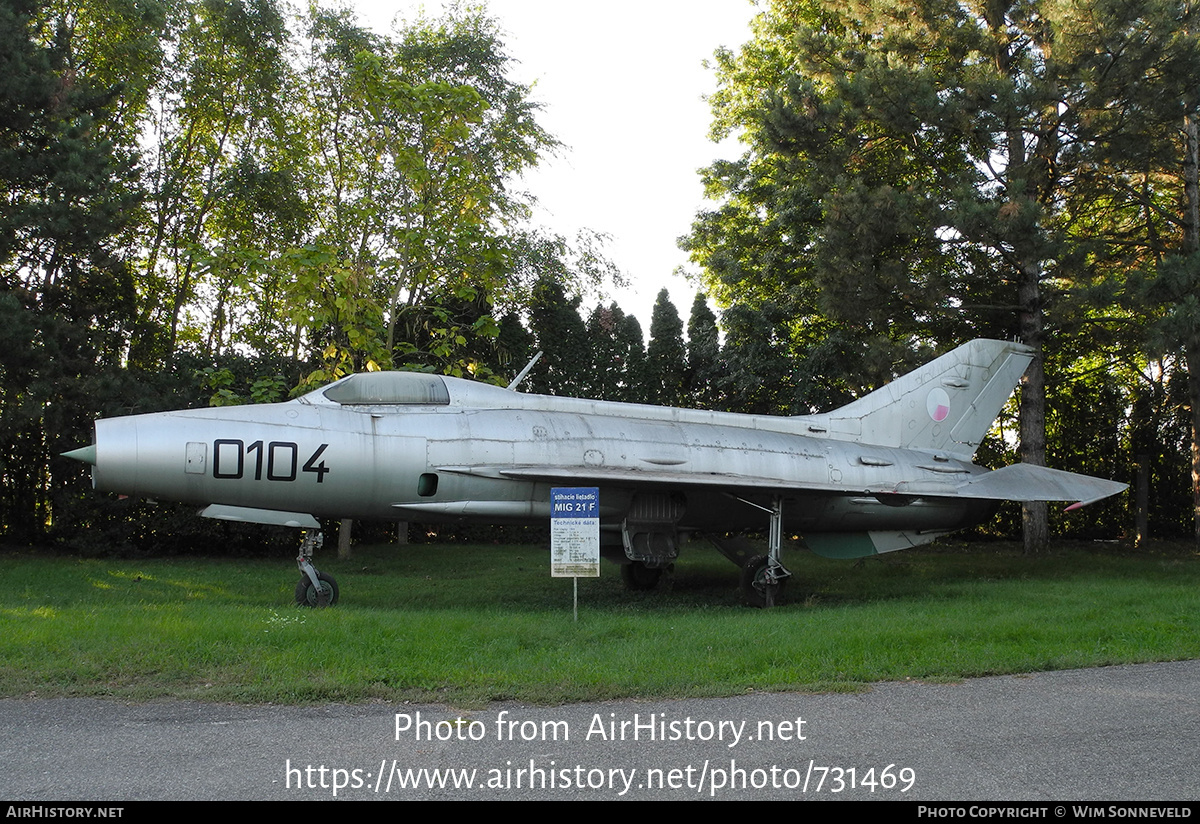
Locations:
column 575, row 532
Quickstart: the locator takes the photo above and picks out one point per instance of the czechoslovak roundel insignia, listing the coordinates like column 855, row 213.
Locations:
column 938, row 404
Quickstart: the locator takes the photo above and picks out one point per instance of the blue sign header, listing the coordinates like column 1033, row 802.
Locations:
column 575, row 502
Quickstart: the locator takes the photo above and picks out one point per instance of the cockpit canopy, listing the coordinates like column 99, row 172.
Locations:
column 375, row 388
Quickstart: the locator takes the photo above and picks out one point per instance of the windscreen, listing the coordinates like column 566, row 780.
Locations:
column 389, row 388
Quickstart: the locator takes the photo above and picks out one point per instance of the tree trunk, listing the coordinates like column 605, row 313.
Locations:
column 1141, row 518
column 1034, row 516
column 345, row 531
column 1191, row 186
column 1193, row 362
column 1191, row 243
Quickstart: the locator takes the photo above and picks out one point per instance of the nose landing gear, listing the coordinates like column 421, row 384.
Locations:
column 315, row 588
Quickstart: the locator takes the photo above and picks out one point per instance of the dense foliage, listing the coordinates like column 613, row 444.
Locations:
column 921, row 172
column 216, row 201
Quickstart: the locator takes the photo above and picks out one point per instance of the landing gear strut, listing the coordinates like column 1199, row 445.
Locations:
column 314, row 589
column 764, row 576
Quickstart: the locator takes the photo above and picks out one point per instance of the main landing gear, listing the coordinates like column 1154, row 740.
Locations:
column 638, row 577
column 315, row 588
column 763, row 576
column 762, row 585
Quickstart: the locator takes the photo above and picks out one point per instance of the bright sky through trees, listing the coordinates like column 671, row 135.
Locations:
column 623, row 86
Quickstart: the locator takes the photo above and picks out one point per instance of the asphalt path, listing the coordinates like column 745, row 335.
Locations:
column 1128, row 733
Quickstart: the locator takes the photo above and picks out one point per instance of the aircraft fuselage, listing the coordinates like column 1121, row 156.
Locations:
column 439, row 464
column 888, row 471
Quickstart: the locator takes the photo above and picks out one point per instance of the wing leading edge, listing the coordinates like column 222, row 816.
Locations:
column 1020, row 482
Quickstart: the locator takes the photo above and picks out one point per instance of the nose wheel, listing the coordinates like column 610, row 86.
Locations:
column 309, row 596
column 315, row 588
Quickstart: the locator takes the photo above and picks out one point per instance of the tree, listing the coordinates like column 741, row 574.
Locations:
column 1173, row 286
column 561, row 336
column 618, row 355
column 1176, row 287
column 216, row 128
column 703, row 356
column 926, row 163
column 341, row 196
column 666, row 357
column 417, row 140
column 631, row 343
column 514, row 346
column 758, row 363
column 66, row 294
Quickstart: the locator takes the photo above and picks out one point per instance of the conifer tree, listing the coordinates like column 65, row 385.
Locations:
column 632, row 343
column 920, row 172
column 561, row 335
column 703, row 356
column 66, row 293
column 666, row 357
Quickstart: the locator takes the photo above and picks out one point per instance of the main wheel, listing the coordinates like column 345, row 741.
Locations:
column 756, row 585
column 639, row 577
column 306, row 593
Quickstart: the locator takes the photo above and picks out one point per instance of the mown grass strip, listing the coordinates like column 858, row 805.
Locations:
column 471, row 624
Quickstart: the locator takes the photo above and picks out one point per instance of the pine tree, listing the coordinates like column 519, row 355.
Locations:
column 561, row 335
column 612, row 354
column 66, row 295
column 631, row 342
column 925, row 171
column 703, row 356
column 666, row 357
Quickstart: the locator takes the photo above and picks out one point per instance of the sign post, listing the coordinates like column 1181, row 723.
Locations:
column 575, row 534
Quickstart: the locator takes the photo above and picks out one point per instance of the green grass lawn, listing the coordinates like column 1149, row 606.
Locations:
column 470, row 624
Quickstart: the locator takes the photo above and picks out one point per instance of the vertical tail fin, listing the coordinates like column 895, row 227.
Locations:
column 948, row 404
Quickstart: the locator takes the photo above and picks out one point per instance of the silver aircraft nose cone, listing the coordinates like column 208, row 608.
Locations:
column 87, row 454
